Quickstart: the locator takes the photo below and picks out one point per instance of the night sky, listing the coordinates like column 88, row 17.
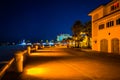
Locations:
column 42, row 19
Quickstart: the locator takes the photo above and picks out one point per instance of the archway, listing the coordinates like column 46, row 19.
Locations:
column 104, row 45
column 115, row 45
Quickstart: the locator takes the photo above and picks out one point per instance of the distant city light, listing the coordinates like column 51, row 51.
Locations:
column 23, row 43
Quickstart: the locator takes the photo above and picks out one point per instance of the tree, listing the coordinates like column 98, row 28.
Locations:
column 76, row 29
column 63, row 41
column 68, row 39
column 88, row 30
column 88, row 27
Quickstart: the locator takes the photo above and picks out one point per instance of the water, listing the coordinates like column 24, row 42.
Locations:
column 7, row 52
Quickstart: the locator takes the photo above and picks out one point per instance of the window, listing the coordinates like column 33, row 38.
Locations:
column 101, row 26
column 118, row 21
column 110, row 24
column 115, row 6
column 112, row 8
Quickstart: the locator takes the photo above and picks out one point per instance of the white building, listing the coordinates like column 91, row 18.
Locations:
column 63, row 36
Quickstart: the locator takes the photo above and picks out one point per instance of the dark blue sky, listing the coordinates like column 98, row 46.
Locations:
column 42, row 19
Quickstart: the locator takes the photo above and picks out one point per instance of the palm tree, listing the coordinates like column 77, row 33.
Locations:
column 88, row 31
column 76, row 29
column 68, row 41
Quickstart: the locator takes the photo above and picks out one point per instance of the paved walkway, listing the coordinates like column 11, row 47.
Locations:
column 67, row 64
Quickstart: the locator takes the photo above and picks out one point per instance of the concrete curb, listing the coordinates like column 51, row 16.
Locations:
column 6, row 67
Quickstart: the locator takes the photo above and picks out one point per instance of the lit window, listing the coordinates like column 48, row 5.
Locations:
column 115, row 6
column 118, row 21
column 101, row 26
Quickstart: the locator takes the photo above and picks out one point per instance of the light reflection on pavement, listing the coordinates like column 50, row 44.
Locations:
column 68, row 64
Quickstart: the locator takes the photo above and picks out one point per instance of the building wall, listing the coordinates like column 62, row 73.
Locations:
column 98, row 14
column 108, row 7
column 105, row 15
column 109, row 34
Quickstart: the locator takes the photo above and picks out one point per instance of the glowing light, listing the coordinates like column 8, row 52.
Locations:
column 116, row 4
column 35, row 71
column 23, row 43
column 48, row 54
column 51, row 70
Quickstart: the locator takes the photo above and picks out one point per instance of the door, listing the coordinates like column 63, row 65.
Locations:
column 104, row 45
column 115, row 45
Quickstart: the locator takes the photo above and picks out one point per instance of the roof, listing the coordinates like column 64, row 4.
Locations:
column 100, row 6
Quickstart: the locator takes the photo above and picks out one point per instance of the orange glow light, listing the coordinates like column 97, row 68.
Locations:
column 35, row 71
